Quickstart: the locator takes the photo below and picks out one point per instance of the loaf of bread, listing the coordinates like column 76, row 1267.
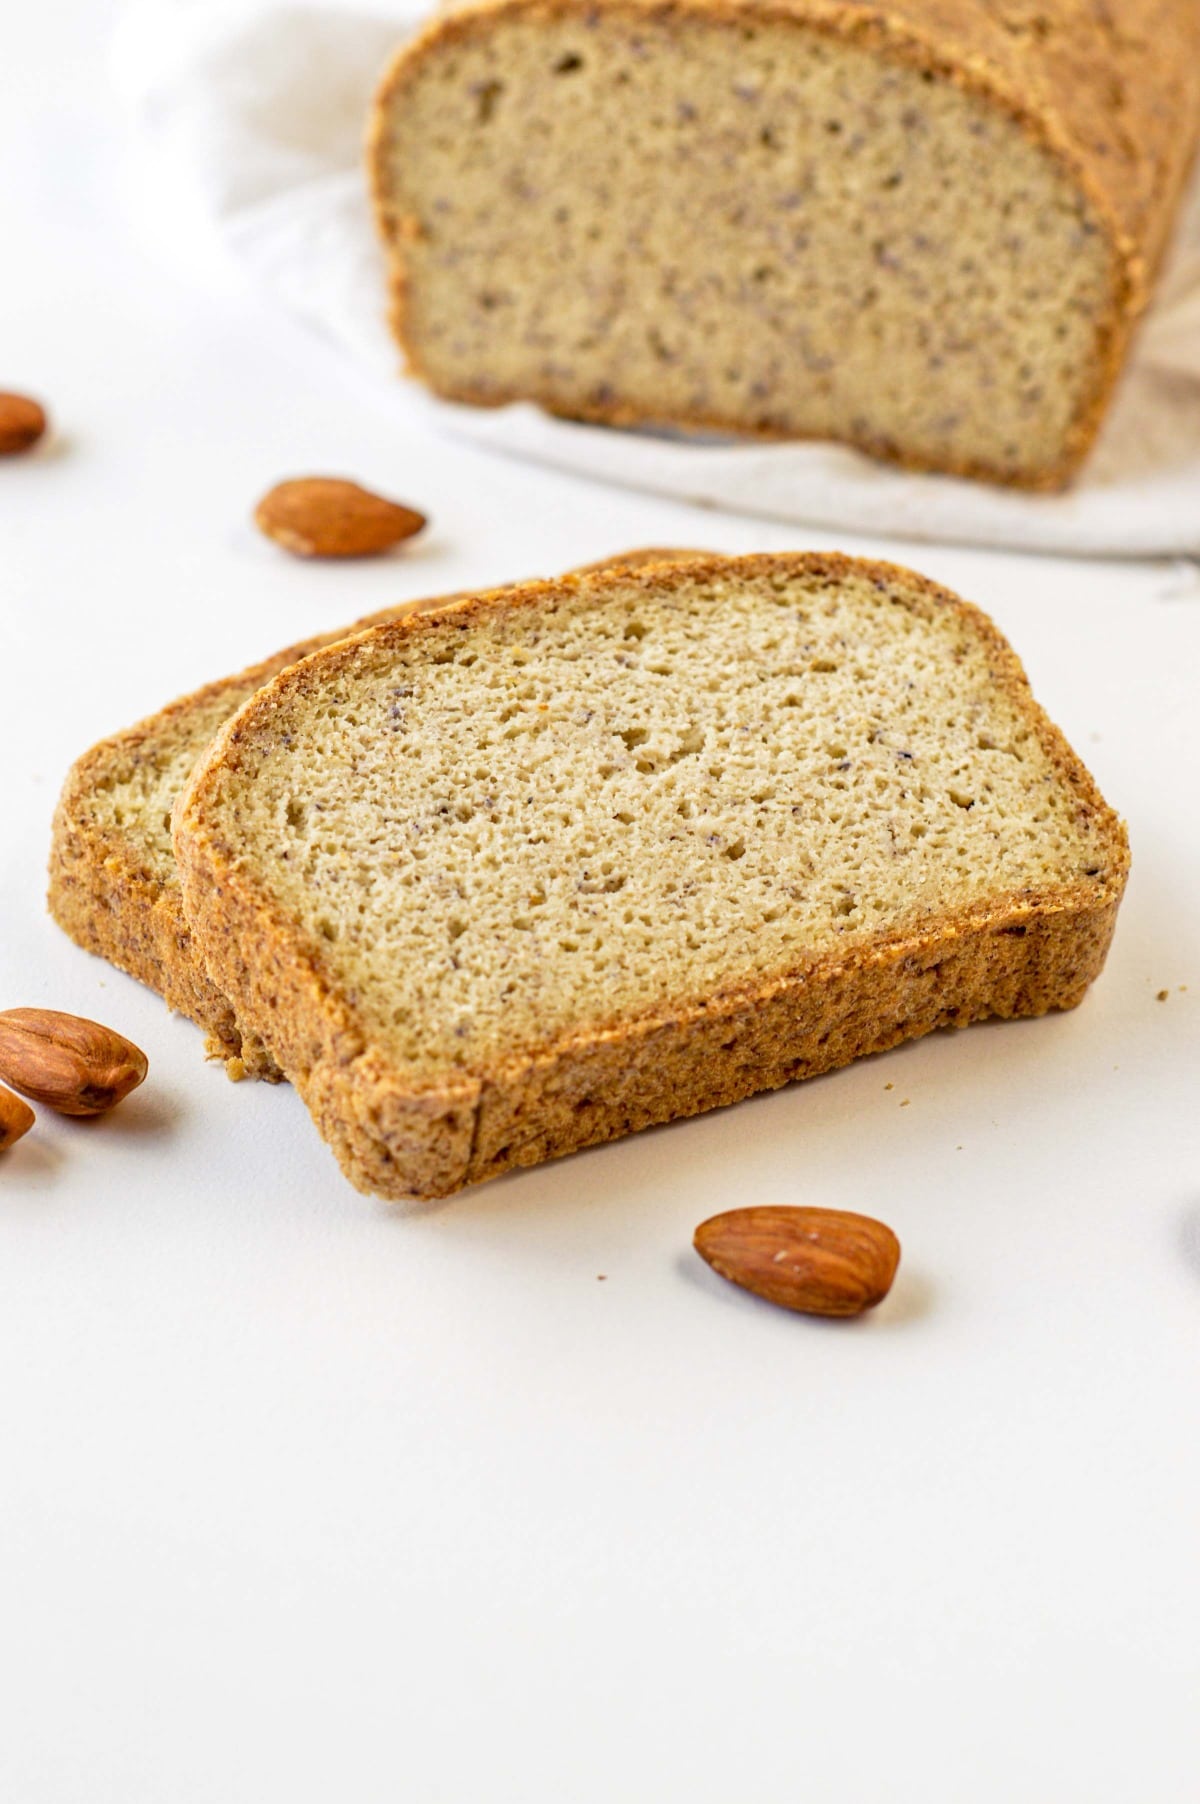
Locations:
column 570, row 859
column 113, row 883
column 925, row 227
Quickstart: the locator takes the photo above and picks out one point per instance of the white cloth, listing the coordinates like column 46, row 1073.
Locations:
column 257, row 108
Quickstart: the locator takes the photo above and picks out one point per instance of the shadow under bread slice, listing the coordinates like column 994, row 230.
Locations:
column 114, row 886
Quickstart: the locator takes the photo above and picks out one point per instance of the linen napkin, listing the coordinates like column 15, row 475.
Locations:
column 256, row 109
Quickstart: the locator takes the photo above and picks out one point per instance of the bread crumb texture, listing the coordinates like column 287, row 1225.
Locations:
column 926, row 229
column 535, row 822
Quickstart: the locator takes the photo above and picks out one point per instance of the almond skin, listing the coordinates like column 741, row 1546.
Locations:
column 16, row 1118
column 22, row 423
column 72, row 1065
column 324, row 516
column 820, row 1261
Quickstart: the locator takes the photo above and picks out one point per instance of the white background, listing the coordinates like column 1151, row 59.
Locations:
column 303, row 1497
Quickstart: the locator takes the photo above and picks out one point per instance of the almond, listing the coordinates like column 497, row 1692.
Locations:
column 821, row 1261
column 16, row 1118
column 75, row 1066
column 323, row 516
column 22, row 423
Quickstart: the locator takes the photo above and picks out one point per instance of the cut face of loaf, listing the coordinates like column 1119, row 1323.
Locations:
column 114, row 886
column 562, row 862
column 925, row 229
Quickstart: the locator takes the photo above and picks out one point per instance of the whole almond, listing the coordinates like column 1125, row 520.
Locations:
column 16, row 1118
column 22, row 423
column 323, row 516
column 73, row 1065
column 821, row 1261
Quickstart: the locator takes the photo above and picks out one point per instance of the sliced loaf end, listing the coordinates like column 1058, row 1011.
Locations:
column 805, row 223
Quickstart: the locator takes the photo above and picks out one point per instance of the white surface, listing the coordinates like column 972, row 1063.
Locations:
column 303, row 1498
column 253, row 110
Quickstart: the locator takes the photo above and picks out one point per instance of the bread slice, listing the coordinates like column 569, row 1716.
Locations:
column 560, row 862
column 113, row 883
column 924, row 227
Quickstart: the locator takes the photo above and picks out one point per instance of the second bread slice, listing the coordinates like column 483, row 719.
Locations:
column 562, row 862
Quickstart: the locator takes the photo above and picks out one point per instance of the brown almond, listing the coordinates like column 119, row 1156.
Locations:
column 73, row 1065
column 22, row 423
column 16, row 1118
column 821, row 1261
column 323, row 516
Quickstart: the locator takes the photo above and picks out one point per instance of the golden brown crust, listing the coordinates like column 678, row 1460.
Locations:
column 1021, row 954
column 1110, row 88
column 104, row 891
